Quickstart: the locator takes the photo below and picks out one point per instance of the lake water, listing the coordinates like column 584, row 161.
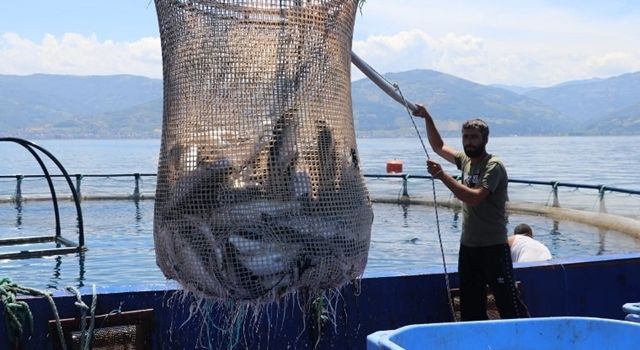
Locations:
column 120, row 238
column 592, row 160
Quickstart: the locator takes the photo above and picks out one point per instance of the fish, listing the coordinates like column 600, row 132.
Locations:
column 278, row 222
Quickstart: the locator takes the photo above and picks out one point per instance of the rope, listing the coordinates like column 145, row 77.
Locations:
column 393, row 90
column 435, row 204
column 17, row 312
column 86, row 334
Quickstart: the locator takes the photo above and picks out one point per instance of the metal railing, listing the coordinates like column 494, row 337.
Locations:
column 136, row 193
column 554, row 185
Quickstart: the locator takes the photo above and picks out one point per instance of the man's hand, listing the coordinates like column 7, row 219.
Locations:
column 434, row 169
column 421, row 112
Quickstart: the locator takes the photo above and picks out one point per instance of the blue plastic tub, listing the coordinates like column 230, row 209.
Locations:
column 578, row 333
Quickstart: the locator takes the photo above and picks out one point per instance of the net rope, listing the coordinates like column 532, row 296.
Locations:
column 393, row 90
column 435, row 205
column 259, row 191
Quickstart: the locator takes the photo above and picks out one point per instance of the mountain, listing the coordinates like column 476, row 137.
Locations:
column 64, row 106
column 591, row 102
column 451, row 101
column 125, row 106
column 513, row 88
column 140, row 121
column 625, row 121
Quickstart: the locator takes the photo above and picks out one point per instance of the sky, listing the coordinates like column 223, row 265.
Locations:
column 523, row 43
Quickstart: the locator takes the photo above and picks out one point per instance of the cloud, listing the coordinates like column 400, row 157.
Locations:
column 511, row 50
column 489, row 61
column 417, row 49
column 537, row 43
column 77, row 54
column 613, row 63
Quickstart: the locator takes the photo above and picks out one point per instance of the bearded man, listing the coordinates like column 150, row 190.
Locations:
column 484, row 257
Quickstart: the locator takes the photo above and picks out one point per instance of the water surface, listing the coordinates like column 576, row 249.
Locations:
column 120, row 238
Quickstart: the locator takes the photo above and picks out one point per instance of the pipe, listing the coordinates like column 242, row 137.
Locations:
column 377, row 79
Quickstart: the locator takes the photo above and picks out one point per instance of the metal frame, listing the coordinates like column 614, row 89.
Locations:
column 68, row 245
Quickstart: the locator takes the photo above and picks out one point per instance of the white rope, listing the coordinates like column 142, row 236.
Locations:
column 86, row 333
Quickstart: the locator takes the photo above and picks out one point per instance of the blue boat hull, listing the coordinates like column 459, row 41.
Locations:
column 593, row 287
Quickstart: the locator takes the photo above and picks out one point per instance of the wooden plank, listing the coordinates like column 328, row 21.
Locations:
column 142, row 320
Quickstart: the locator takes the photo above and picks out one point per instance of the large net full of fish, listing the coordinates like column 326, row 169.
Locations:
column 259, row 188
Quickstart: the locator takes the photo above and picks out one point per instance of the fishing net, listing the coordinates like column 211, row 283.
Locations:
column 259, row 188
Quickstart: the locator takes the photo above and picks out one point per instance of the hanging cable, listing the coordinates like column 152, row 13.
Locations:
column 393, row 90
column 435, row 206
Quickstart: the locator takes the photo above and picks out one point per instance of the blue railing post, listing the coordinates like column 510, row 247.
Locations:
column 136, row 190
column 405, row 189
column 78, row 184
column 18, row 197
column 601, row 191
column 556, row 202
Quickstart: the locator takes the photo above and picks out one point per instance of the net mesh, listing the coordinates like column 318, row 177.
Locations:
column 259, row 189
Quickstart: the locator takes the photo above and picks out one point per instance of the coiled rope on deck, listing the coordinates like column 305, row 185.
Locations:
column 17, row 312
column 18, row 315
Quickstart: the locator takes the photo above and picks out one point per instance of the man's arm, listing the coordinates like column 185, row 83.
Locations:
column 471, row 196
column 433, row 135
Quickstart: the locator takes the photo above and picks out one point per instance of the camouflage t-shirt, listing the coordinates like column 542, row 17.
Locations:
column 484, row 224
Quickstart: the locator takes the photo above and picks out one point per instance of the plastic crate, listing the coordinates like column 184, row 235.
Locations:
column 578, row 333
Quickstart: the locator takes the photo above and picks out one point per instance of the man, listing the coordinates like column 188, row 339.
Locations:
column 484, row 257
column 524, row 247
